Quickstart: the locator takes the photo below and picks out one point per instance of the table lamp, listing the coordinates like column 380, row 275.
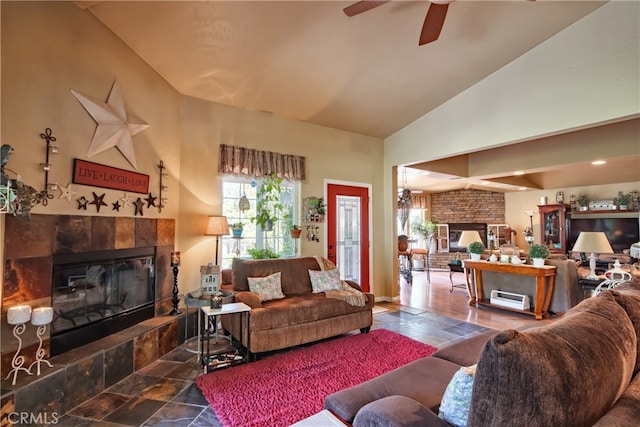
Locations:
column 468, row 236
column 217, row 226
column 594, row 242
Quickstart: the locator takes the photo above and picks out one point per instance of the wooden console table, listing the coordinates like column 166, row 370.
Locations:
column 545, row 280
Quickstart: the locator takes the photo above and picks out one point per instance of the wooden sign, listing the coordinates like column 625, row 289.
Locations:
column 94, row 174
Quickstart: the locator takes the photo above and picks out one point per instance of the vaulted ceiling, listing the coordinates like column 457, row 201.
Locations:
column 308, row 61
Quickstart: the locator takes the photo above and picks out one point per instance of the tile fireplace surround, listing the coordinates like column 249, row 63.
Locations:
column 78, row 374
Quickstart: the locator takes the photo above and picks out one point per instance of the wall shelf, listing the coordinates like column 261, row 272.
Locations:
column 605, row 214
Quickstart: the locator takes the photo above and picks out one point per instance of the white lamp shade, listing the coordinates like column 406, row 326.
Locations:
column 468, row 236
column 217, row 226
column 592, row 241
column 18, row 314
column 41, row 316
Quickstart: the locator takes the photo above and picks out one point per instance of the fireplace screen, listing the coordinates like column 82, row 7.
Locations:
column 100, row 286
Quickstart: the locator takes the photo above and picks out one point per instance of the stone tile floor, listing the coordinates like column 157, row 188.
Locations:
column 164, row 394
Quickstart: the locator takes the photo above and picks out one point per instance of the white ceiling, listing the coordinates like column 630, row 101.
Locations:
column 308, row 61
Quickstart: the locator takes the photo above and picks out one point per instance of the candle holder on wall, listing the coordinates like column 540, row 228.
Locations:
column 45, row 195
column 163, row 187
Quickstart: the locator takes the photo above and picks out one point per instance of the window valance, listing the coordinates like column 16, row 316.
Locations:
column 257, row 163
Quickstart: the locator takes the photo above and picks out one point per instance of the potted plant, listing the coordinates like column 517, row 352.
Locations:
column 583, row 202
column 317, row 209
column 294, row 230
column 538, row 253
column 476, row 249
column 623, row 200
column 428, row 230
column 236, row 229
column 268, row 207
column 265, row 253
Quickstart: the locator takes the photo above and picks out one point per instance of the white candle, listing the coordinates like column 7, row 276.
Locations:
column 41, row 316
column 18, row 314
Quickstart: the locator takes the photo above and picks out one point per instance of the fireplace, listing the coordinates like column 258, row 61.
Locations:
column 455, row 229
column 96, row 294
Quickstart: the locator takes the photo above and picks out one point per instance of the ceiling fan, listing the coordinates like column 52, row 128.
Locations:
column 433, row 22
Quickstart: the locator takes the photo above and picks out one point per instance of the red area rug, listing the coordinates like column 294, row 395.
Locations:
column 281, row 389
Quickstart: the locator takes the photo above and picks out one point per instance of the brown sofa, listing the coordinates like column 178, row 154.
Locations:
column 580, row 370
column 302, row 316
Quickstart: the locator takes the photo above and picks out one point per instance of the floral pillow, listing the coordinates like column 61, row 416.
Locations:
column 323, row 281
column 456, row 400
column 267, row 288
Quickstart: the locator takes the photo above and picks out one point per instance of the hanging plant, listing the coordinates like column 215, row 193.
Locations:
column 269, row 207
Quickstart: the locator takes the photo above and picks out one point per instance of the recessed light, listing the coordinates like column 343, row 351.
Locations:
column 522, row 188
column 518, row 173
column 598, row 162
column 425, row 173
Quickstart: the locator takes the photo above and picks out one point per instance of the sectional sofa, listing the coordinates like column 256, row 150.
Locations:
column 580, row 370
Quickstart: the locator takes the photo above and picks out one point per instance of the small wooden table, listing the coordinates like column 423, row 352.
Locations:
column 545, row 280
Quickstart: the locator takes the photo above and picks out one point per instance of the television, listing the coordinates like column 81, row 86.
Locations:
column 621, row 232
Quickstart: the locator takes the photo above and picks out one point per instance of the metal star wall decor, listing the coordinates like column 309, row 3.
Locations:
column 98, row 201
column 139, row 205
column 151, row 201
column 82, row 203
column 66, row 192
column 126, row 200
column 116, row 206
column 115, row 129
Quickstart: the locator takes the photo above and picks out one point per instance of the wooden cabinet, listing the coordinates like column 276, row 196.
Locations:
column 553, row 226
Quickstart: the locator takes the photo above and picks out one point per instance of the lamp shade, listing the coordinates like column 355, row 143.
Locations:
column 468, row 236
column 592, row 241
column 217, row 226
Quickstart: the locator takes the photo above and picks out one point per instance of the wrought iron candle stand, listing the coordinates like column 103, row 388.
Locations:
column 41, row 317
column 18, row 316
column 175, row 263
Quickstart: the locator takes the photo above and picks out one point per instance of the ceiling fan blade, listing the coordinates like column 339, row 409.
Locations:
column 363, row 6
column 433, row 23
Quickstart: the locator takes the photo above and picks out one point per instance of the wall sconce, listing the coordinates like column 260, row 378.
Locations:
column 163, row 175
column 44, row 195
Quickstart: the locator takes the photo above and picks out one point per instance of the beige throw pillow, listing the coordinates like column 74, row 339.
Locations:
column 267, row 288
column 323, row 281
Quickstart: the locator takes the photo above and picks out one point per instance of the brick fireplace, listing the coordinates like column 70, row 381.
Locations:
column 32, row 246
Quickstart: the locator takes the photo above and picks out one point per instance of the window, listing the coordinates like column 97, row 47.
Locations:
column 278, row 240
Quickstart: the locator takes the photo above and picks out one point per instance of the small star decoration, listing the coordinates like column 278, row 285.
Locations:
column 116, row 206
column 151, row 201
column 66, row 192
column 98, row 201
column 126, row 200
column 139, row 205
column 82, row 203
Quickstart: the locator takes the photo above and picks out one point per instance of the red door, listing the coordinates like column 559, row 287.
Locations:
column 348, row 231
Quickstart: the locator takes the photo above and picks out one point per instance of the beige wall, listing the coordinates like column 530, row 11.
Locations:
column 331, row 155
column 586, row 75
column 49, row 48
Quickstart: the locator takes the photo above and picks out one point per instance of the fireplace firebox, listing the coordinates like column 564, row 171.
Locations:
column 100, row 293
